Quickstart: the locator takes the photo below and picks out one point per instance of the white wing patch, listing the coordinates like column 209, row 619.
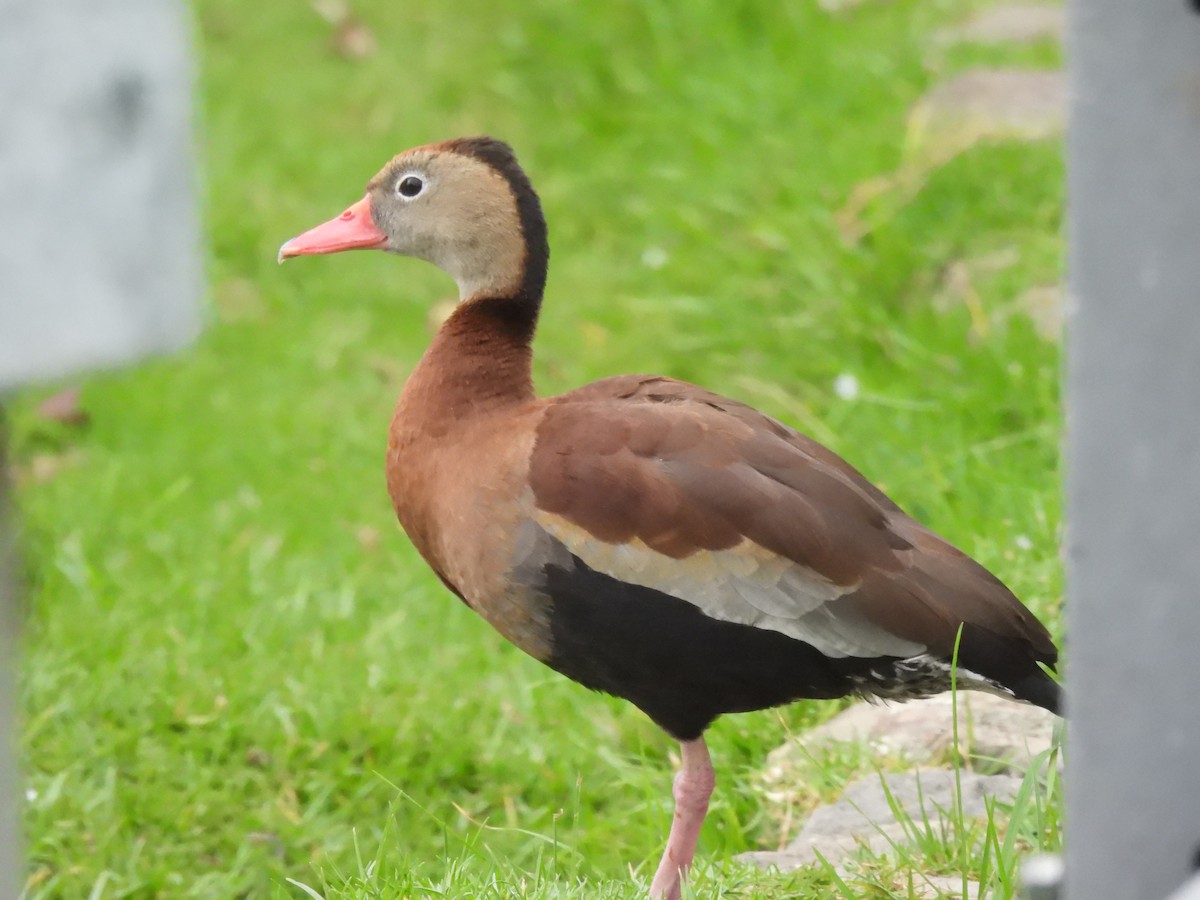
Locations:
column 746, row 585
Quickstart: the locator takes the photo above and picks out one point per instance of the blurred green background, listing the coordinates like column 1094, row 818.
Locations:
column 238, row 672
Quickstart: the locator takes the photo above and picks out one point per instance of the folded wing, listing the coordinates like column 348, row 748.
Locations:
column 667, row 486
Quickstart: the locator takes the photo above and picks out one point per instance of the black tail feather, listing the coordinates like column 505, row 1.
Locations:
column 1040, row 690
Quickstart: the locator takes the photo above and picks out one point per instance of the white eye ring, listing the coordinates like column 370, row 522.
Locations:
column 410, row 185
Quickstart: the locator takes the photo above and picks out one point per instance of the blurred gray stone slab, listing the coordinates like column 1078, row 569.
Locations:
column 991, row 104
column 99, row 235
column 994, row 733
column 1189, row 891
column 1019, row 23
column 10, row 842
column 866, row 817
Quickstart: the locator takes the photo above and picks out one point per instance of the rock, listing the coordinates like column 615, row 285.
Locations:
column 995, row 733
column 982, row 104
column 864, row 816
column 1018, row 23
column 944, row 887
column 1043, row 305
column 991, row 104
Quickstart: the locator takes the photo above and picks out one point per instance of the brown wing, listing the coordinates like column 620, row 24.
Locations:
column 665, row 485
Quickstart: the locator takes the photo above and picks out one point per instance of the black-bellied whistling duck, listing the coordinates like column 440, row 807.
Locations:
column 641, row 535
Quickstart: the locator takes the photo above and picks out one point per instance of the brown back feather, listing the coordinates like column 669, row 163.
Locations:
column 685, row 470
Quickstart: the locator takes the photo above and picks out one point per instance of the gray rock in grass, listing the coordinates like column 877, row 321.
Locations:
column 991, row 104
column 1017, row 23
column 994, row 733
column 945, row 887
column 866, row 817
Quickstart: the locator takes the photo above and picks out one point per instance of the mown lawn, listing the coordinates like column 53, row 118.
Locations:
column 237, row 672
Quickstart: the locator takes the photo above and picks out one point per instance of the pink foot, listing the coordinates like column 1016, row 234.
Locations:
column 693, row 786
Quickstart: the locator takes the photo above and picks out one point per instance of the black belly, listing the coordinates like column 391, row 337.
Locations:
column 679, row 666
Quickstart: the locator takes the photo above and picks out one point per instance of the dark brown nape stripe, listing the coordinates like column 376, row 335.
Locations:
column 500, row 156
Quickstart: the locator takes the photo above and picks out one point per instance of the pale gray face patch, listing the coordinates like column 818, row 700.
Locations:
column 454, row 212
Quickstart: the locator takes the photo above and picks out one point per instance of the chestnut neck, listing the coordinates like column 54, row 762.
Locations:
column 481, row 361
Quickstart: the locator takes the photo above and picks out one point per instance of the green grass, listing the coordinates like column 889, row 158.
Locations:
column 237, row 671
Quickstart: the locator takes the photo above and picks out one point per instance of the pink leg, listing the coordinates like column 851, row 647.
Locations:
column 693, row 787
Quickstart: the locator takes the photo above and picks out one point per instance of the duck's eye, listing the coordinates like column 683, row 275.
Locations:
column 409, row 186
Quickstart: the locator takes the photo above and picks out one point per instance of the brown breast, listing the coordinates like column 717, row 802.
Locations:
column 461, row 494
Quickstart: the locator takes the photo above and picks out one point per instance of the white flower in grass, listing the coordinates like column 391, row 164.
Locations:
column 1022, row 542
column 846, row 386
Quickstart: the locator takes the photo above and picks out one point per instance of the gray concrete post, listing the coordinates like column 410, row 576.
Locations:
column 10, row 842
column 1133, row 449
column 1189, row 891
column 99, row 236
